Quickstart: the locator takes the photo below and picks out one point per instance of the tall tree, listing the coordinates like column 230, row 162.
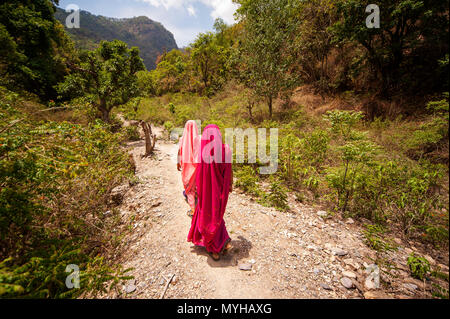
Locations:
column 412, row 37
column 314, row 41
column 37, row 45
column 209, row 59
column 267, row 53
column 107, row 76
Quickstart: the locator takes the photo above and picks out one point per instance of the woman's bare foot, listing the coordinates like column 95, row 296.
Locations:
column 215, row 256
column 228, row 247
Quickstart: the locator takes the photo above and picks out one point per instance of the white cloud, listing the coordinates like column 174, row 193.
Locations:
column 220, row 8
column 191, row 11
column 165, row 3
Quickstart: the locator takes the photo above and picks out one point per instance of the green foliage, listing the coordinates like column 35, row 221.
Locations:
column 380, row 190
column 315, row 147
column 34, row 47
column 314, row 42
column 247, row 180
column 375, row 239
column 56, row 178
column 146, row 83
column 419, row 266
column 132, row 133
column 44, row 276
column 106, row 76
column 168, row 127
column 276, row 196
column 209, row 61
column 357, row 155
column 343, row 122
column 172, row 73
column 432, row 136
column 407, row 46
column 266, row 59
column 290, row 157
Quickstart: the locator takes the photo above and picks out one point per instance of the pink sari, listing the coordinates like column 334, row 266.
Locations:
column 188, row 151
column 213, row 186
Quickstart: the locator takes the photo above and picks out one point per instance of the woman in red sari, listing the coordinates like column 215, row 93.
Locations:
column 214, row 182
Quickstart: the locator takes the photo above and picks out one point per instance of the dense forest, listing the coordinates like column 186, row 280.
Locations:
column 362, row 113
column 150, row 36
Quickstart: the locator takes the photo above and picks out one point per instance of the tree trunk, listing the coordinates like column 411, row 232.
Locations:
column 270, row 106
column 250, row 108
column 105, row 111
column 150, row 139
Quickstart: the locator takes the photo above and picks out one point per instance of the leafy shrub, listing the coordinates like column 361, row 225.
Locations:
column 56, row 180
column 375, row 239
column 45, row 276
column 418, row 266
column 132, row 133
column 290, row 157
column 168, row 127
column 356, row 156
column 433, row 134
column 172, row 108
column 247, row 180
column 276, row 197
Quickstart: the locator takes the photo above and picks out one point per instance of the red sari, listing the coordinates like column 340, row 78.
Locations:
column 213, row 186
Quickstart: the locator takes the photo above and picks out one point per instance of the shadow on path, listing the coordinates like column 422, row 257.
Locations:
column 241, row 250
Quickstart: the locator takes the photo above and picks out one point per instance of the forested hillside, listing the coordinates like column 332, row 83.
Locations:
column 151, row 37
column 362, row 117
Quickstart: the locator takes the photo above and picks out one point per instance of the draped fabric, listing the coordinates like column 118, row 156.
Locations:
column 213, row 186
column 188, row 152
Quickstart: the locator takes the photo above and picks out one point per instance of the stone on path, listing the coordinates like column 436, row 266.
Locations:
column 245, row 267
column 322, row 213
column 410, row 286
column 349, row 274
column 430, row 260
column 130, row 287
column 339, row 252
column 347, row 283
column 375, row 295
column 325, row 286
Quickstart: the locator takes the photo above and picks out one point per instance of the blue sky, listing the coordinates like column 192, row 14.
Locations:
column 184, row 18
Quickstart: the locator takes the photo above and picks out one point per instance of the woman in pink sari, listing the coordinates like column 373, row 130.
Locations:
column 214, row 183
column 187, row 162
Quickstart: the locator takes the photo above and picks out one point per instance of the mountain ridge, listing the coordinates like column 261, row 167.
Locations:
column 152, row 38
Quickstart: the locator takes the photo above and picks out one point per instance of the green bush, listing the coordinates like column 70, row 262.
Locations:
column 247, row 180
column 431, row 136
column 168, row 127
column 132, row 133
column 44, row 276
column 418, row 266
column 276, row 196
column 375, row 238
column 56, row 180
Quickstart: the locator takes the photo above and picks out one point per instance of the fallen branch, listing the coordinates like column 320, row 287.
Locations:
column 167, row 286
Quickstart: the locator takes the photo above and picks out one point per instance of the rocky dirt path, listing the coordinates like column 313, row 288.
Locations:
column 277, row 255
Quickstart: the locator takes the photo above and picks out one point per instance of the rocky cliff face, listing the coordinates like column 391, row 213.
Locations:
column 151, row 37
